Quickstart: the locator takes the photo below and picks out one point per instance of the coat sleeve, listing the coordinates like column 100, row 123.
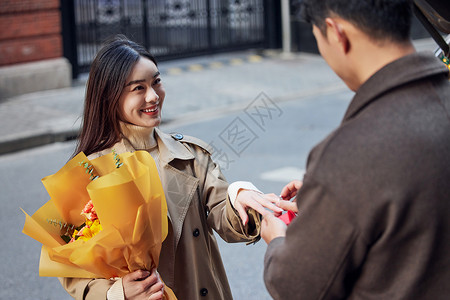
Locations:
column 86, row 288
column 221, row 216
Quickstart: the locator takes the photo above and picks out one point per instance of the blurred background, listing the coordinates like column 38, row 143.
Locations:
column 48, row 43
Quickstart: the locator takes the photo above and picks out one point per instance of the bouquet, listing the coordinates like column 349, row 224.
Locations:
column 106, row 218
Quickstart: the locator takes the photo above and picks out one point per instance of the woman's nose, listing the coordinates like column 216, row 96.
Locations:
column 151, row 96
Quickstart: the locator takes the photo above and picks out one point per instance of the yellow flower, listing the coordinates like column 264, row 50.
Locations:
column 88, row 231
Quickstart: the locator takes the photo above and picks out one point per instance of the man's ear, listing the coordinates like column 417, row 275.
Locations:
column 336, row 33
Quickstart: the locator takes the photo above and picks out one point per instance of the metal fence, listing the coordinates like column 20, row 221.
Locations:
column 168, row 28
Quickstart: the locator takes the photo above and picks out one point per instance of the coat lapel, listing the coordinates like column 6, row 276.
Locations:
column 180, row 187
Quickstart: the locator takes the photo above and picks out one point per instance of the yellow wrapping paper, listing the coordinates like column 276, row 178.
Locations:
column 130, row 205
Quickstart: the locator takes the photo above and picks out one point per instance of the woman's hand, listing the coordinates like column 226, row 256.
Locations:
column 251, row 199
column 142, row 284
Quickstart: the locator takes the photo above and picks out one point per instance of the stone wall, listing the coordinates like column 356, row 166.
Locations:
column 30, row 47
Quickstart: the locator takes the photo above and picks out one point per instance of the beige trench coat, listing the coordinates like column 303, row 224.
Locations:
column 196, row 194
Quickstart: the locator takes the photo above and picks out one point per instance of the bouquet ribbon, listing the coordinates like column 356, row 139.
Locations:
column 131, row 208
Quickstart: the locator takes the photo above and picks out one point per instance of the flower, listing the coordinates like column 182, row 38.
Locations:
column 88, row 231
column 90, row 227
column 118, row 212
column 89, row 211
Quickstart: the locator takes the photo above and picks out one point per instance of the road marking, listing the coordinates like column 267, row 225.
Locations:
column 195, row 68
column 255, row 58
column 236, row 62
column 174, row 71
column 285, row 174
column 216, row 65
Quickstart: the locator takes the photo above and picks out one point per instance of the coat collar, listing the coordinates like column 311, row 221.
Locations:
column 402, row 71
column 170, row 149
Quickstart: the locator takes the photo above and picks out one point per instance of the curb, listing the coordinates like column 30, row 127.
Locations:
column 31, row 141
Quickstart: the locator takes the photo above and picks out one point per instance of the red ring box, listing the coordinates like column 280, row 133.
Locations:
column 287, row 217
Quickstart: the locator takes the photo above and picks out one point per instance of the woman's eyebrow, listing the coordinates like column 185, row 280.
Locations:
column 135, row 81
column 142, row 80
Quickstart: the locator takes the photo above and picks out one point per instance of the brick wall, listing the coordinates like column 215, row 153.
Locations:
column 30, row 31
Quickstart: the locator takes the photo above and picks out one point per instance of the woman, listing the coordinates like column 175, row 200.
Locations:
column 123, row 105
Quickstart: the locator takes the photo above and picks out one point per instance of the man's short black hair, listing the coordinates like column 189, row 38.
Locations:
column 380, row 19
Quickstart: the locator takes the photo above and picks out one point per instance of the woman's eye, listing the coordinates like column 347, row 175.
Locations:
column 139, row 87
column 157, row 81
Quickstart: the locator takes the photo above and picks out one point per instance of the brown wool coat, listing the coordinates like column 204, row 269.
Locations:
column 196, row 194
column 374, row 209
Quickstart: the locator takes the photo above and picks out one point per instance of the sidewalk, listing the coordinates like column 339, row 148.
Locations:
column 196, row 88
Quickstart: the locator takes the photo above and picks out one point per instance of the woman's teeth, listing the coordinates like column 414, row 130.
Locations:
column 150, row 110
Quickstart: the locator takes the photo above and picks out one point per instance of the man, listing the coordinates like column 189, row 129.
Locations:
column 374, row 207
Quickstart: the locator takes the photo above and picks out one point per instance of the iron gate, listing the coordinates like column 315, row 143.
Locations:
column 168, row 28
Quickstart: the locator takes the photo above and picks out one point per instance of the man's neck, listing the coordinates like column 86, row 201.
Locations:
column 368, row 58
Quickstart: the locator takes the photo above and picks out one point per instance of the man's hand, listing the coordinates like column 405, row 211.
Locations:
column 291, row 189
column 272, row 227
column 251, row 199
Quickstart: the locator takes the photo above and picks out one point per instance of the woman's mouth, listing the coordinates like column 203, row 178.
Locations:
column 151, row 110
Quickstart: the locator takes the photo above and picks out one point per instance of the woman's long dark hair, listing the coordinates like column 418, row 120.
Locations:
column 109, row 70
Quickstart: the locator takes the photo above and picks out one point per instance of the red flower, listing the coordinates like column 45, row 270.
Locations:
column 89, row 211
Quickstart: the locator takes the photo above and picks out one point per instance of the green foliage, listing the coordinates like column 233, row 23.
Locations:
column 89, row 170
column 67, row 230
column 117, row 159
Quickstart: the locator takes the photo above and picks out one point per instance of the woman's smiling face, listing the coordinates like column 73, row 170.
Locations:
column 143, row 95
